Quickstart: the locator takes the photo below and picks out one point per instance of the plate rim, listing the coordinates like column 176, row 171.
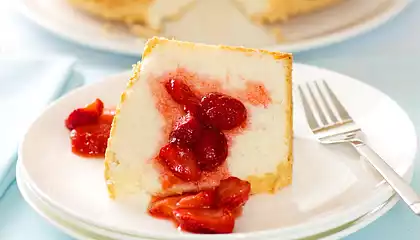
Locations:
column 20, row 181
column 381, row 192
column 301, row 46
column 348, row 229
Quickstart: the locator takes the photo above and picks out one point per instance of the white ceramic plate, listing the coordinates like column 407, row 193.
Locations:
column 83, row 231
column 228, row 26
column 60, row 220
column 56, row 220
column 332, row 186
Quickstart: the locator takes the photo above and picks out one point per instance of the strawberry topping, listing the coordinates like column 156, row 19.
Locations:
column 209, row 211
column 163, row 208
column 233, row 193
column 182, row 94
column 187, row 131
column 204, row 199
column 85, row 116
column 211, row 221
column 196, row 145
column 180, row 161
column 222, row 111
column 107, row 116
column 90, row 140
column 211, row 149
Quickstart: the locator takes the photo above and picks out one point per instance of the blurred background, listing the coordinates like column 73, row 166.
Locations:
column 376, row 41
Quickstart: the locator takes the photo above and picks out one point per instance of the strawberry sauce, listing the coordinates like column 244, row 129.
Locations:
column 256, row 94
column 211, row 211
column 90, row 128
column 201, row 121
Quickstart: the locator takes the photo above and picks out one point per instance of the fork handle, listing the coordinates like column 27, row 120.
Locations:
column 402, row 188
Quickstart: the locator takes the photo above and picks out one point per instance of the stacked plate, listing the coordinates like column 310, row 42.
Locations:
column 334, row 192
column 229, row 26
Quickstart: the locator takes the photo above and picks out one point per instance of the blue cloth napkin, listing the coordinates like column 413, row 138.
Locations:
column 27, row 85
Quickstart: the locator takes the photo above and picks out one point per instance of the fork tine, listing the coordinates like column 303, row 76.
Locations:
column 344, row 115
column 325, row 103
column 310, row 118
column 316, row 104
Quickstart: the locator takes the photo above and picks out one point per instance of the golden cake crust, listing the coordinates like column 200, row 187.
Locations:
column 282, row 10
column 127, row 11
column 267, row 183
column 271, row 182
column 110, row 158
column 133, row 13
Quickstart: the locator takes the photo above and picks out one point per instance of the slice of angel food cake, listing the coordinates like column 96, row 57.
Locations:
column 198, row 130
column 201, row 128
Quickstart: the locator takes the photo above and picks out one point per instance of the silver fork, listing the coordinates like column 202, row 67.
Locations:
column 331, row 123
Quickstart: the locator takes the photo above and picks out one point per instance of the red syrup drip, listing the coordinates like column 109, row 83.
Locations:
column 201, row 221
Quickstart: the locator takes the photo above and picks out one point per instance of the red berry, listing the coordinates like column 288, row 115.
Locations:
column 107, row 116
column 90, row 140
column 204, row 199
column 233, row 193
column 85, row 116
column 96, row 106
column 186, row 132
column 210, row 221
column 222, row 111
column 193, row 107
column 211, row 149
column 180, row 92
column 163, row 208
column 180, row 161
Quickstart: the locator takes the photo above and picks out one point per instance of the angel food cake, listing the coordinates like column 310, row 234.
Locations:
column 270, row 11
column 147, row 13
column 146, row 17
column 195, row 114
column 198, row 130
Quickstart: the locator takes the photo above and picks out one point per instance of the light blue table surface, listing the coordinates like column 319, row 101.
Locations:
column 387, row 58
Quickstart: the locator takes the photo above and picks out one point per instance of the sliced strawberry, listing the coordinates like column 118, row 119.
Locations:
column 168, row 180
column 193, row 107
column 204, row 199
column 233, row 193
column 182, row 94
column 85, row 116
column 179, row 91
column 180, row 161
column 222, row 111
column 211, row 149
column 90, row 140
column 107, row 116
column 163, row 208
column 211, row 221
column 187, row 131
column 96, row 106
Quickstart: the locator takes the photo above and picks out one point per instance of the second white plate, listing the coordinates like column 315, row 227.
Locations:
column 82, row 231
column 219, row 22
column 331, row 187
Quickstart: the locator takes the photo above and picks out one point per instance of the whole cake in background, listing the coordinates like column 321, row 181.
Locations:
column 271, row 11
column 146, row 18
